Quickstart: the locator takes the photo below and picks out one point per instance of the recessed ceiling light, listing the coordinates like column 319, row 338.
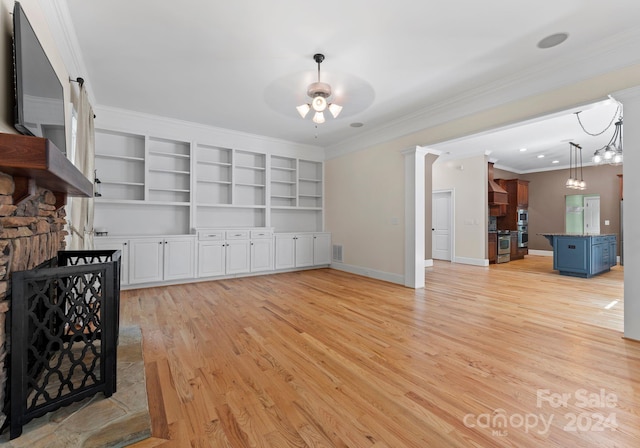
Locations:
column 523, row 149
column 556, row 161
column 356, row 125
column 552, row 40
column 540, row 156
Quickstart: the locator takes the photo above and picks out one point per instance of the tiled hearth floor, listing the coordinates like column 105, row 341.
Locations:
column 97, row 421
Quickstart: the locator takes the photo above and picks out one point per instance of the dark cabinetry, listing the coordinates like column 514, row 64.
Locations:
column 518, row 198
column 517, row 253
column 493, row 247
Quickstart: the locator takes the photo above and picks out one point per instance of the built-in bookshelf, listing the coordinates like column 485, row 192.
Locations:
column 202, row 185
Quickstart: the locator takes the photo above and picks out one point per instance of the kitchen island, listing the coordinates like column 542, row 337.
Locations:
column 581, row 255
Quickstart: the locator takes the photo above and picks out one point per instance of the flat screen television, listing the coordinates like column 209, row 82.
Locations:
column 39, row 107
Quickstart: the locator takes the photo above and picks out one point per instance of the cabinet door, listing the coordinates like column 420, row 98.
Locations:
column 237, row 256
column 304, row 250
column 321, row 249
column 178, row 258
column 145, row 260
column 101, row 243
column 492, row 247
column 523, row 194
column 285, row 251
column 261, row 255
column 211, row 257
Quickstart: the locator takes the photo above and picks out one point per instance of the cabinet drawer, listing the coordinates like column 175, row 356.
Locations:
column 211, row 235
column 256, row 234
column 237, row 234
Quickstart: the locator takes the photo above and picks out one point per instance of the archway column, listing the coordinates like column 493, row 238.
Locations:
column 414, row 215
column 630, row 100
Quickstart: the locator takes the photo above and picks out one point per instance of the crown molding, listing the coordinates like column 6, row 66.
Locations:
column 615, row 53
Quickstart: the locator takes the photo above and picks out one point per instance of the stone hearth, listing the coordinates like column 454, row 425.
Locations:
column 95, row 422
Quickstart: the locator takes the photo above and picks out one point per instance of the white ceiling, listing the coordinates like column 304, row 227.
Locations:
column 245, row 65
column 541, row 144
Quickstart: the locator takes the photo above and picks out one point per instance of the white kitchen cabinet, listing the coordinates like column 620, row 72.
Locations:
column 159, row 259
column 297, row 250
column 321, row 248
column 106, row 243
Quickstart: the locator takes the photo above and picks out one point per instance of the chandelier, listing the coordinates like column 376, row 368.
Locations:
column 319, row 92
column 575, row 153
column 611, row 153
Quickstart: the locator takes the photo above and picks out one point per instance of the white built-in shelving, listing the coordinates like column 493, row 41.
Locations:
column 158, row 185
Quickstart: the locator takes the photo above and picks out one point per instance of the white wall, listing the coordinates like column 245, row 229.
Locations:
column 631, row 103
column 364, row 210
column 468, row 180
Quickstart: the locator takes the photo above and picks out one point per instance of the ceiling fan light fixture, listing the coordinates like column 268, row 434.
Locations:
column 319, row 103
column 319, row 92
column 335, row 110
column 318, row 118
column 303, row 110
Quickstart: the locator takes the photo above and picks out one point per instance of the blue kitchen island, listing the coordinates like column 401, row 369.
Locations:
column 582, row 255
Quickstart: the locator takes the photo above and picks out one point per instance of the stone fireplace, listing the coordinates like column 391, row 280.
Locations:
column 31, row 232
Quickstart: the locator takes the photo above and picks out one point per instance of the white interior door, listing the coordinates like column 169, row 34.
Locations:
column 592, row 215
column 441, row 222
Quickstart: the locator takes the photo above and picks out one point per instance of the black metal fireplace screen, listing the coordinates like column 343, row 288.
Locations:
column 64, row 330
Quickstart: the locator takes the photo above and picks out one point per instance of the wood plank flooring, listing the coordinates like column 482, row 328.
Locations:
column 510, row 355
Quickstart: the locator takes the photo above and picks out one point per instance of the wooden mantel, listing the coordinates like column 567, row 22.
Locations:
column 36, row 158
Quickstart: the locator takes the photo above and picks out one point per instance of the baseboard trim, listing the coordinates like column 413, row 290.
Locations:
column 542, row 253
column 428, row 263
column 472, row 261
column 367, row 272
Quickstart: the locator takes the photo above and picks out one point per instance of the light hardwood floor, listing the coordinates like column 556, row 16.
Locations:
column 482, row 357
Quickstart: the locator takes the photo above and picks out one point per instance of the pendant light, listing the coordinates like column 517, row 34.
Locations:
column 319, row 92
column 575, row 153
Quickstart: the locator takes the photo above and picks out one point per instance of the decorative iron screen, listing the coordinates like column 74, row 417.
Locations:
column 64, row 329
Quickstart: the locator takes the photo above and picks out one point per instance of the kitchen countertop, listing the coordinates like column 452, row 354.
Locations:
column 577, row 234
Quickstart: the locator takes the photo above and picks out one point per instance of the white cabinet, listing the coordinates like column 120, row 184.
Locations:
column 178, row 258
column 304, row 250
column 236, row 251
column 296, row 250
column 321, row 248
column 211, row 258
column 238, row 254
column 261, row 251
column 105, row 243
column 146, row 260
column 159, row 259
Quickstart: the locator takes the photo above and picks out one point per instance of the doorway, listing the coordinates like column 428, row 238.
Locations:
column 442, row 221
column 582, row 214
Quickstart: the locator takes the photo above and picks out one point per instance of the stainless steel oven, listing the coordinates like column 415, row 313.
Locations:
column 523, row 217
column 504, row 247
column 523, row 236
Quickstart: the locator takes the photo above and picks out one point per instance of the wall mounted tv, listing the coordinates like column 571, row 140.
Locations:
column 39, row 108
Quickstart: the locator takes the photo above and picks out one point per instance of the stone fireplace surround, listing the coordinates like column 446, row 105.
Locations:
column 31, row 232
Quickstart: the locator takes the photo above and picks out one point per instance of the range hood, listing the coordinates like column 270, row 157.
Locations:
column 497, row 194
